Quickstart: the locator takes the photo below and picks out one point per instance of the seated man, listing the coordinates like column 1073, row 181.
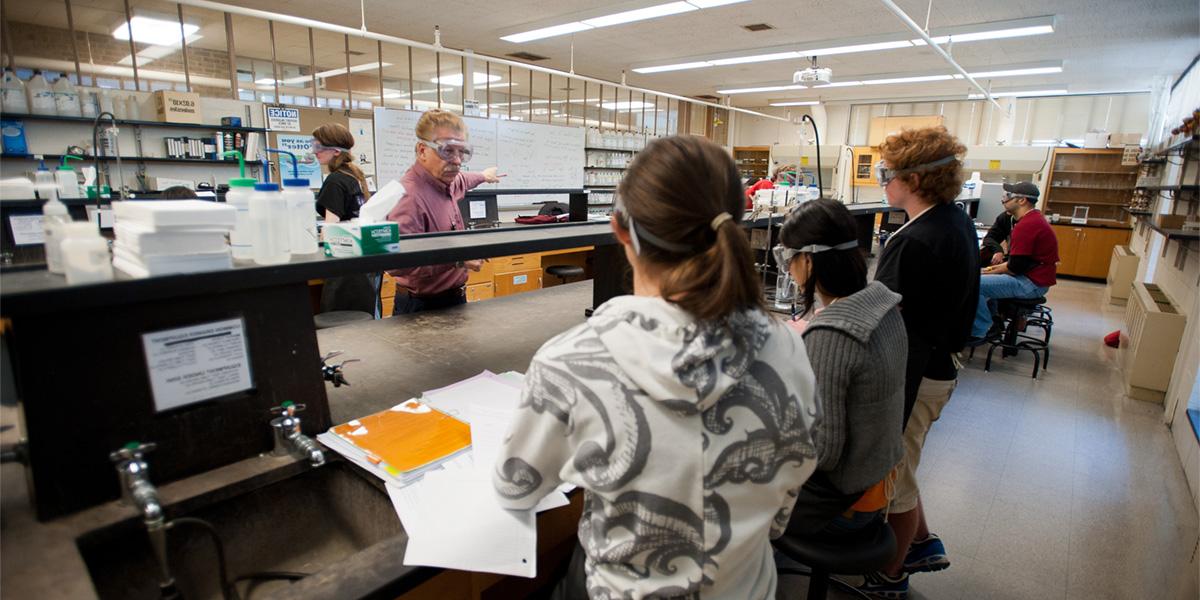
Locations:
column 994, row 247
column 1032, row 255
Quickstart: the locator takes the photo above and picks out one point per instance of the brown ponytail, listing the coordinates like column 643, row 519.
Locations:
column 335, row 135
column 675, row 191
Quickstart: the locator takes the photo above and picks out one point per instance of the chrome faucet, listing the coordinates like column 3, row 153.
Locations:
column 137, row 490
column 289, row 440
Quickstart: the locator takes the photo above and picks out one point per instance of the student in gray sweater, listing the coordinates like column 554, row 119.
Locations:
column 858, row 349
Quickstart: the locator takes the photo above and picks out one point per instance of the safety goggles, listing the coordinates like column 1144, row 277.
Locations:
column 784, row 255
column 450, row 149
column 885, row 175
column 319, row 147
column 1010, row 197
column 636, row 235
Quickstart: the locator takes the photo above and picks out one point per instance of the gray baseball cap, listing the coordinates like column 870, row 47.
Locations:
column 1023, row 188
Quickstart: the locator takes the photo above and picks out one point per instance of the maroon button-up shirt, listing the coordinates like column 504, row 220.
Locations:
column 429, row 205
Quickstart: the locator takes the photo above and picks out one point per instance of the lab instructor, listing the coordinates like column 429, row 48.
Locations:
column 432, row 188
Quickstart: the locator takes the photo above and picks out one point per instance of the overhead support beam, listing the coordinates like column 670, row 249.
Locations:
column 911, row 24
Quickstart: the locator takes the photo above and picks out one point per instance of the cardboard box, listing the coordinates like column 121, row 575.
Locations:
column 353, row 239
column 177, row 107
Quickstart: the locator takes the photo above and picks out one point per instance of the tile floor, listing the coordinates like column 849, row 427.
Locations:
column 1057, row 488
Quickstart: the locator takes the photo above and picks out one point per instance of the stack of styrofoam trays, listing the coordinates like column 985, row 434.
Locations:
column 160, row 237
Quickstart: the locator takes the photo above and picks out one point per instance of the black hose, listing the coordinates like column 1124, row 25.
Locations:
column 817, row 135
column 228, row 591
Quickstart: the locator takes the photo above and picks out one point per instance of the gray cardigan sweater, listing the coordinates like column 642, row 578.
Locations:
column 858, row 350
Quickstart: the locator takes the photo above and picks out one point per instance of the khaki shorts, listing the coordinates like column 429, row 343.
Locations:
column 932, row 397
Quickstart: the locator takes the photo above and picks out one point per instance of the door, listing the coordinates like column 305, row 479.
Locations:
column 1069, row 237
column 1096, row 250
column 515, row 282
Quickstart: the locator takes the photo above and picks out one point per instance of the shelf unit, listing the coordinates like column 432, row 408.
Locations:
column 140, row 161
column 1095, row 178
column 753, row 161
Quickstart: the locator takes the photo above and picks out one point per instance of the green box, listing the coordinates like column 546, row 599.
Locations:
column 353, row 239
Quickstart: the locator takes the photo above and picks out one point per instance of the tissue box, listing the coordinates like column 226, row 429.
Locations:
column 357, row 239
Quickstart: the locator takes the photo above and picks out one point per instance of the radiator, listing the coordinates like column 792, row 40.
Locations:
column 1150, row 341
column 1122, row 270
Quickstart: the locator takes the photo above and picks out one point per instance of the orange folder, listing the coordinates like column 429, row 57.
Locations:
column 406, row 437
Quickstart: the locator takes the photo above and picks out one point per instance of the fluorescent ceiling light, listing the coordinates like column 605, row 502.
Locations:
column 333, row 72
column 545, row 32
column 1015, row 72
column 839, row 84
column 677, row 67
column 456, row 79
column 626, row 106
column 712, row 3
column 917, row 79
column 1025, row 94
column 796, row 103
column 720, row 62
column 766, row 88
column 997, row 34
column 641, row 14
column 856, row 48
column 158, row 32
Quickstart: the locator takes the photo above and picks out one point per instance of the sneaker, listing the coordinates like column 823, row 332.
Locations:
column 926, row 556
column 880, row 586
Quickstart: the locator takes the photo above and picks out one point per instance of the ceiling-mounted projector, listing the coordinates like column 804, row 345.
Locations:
column 813, row 75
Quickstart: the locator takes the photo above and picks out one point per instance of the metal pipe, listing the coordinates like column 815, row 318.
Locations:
column 75, row 45
column 907, row 20
column 187, row 73
column 231, row 50
column 303, row 22
column 349, row 75
column 274, row 62
column 132, row 50
column 312, row 66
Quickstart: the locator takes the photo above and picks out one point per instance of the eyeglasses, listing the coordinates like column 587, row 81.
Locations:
column 885, row 175
column 450, row 149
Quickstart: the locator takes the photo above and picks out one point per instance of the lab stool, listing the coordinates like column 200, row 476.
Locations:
column 853, row 553
column 1018, row 315
column 337, row 318
column 563, row 272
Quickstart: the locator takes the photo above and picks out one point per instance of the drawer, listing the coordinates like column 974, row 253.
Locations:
column 480, row 291
column 515, row 282
column 519, row 262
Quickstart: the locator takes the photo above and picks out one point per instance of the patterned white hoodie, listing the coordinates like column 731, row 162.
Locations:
column 690, row 440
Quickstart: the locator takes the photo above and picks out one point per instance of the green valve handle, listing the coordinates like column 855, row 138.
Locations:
column 64, row 166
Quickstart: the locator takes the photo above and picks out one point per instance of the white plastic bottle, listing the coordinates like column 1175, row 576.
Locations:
column 67, row 179
column 269, row 219
column 89, row 104
column 118, row 110
column 302, row 217
column 106, row 103
column 241, row 239
column 85, row 254
column 54, row 217
column 41, row 96
column 66, row 98
column 44, row 184
column 14, row 100
column 133, row 110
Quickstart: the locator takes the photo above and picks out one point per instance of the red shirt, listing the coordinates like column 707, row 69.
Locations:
column 1033, row 237
column 429, row 205
column 761, row 184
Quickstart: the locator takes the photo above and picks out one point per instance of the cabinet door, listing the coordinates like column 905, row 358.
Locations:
column 1096, row 250
column 515, row 282
column 1068, row 247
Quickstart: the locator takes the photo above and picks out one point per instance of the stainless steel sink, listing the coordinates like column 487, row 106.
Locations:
column 305, row 523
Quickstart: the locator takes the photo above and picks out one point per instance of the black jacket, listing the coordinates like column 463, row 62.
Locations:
column 1000, row 232
column 933, row 263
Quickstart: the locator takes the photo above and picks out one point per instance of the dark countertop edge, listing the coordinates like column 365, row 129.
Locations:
column 40, row 292
column 1067, row 223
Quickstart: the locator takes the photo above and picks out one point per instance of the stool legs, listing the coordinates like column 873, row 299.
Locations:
column 818, row 585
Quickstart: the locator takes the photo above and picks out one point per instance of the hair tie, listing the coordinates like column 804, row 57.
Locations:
column 720, row 220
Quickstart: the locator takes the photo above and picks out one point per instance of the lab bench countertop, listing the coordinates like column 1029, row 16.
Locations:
column 401, row 357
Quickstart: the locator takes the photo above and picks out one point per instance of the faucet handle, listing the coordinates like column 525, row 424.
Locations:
column 132, row 451
column 288, row 408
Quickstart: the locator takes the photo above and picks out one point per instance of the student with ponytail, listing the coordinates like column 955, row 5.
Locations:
column 684, row 410
column 345, row 189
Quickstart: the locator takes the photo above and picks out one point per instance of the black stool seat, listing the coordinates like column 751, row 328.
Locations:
column 854, row 553
column 1028, row 303
column 565, row 271
column 335, row 318
column 1017, row 314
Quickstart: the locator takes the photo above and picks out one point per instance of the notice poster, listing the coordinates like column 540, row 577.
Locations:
column 364, row 145
column 306, row 161
column 197, row 363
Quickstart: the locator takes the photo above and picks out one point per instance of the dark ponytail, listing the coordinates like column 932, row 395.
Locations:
column 676, row 193
column 335, row 135
column 826, row 222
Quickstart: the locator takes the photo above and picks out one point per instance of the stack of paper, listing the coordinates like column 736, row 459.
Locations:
column 158, row 237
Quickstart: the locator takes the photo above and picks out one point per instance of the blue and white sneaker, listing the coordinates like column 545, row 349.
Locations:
column 880, row 586
column 926, row 556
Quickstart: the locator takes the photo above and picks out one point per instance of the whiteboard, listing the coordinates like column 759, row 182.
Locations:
column 533, row 155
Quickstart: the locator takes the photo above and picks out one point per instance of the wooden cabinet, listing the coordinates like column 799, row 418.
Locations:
column 753, row 161
column 1094, row 178
column 515, row 282
column 1087, row 251
column 882, row 127
column 864, row 165
column 481, row 291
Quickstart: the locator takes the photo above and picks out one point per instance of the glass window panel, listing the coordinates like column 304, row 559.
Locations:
column 424, row 77
column 396, row 93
